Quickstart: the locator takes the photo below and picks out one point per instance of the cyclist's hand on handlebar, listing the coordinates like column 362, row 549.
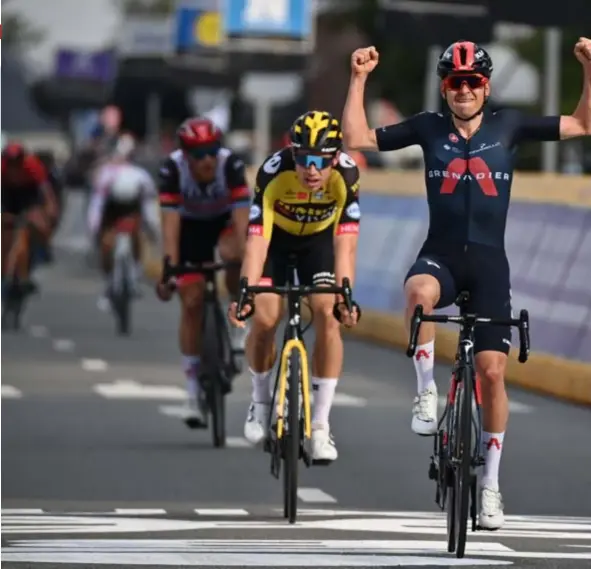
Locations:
column 164, row 291
column 348, row 319
column 233, row 315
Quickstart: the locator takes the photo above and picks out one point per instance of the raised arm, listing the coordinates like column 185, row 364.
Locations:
column 579, row 123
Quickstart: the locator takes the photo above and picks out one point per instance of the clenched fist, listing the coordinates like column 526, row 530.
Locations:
column 364, row 60
column 583, row 52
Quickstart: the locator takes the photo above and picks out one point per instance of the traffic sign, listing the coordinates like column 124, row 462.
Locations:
column 269, row 26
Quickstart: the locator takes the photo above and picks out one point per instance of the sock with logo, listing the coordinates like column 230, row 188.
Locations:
column 261, row 386
column 324, row 390
column 423, row 360
column 191, row 367
column 492, row 447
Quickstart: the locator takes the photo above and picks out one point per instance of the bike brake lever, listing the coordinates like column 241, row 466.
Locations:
column 415, row 325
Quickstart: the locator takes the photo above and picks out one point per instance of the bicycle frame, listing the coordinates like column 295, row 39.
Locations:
column 456, row 437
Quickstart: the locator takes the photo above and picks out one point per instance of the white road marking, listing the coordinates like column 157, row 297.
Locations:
column 10, row 392
column 265, row 553
column 38, row 331
column 140, row 511
column 63, row 345
column 315, row 496
column 346, row 400
column 514, row 406
column 21, row 511
column 94, row 365
column 221, row 512
column 130, row 389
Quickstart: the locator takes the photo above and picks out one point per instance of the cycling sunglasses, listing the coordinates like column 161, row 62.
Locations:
column 455, row 82
column 200, row 152
column 306, row 160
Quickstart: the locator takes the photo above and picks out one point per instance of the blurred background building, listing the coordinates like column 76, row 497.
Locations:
column 253, row 65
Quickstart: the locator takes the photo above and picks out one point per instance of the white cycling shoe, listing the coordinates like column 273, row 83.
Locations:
column 424, row 412
column 490, row 516
column 194, row 414
column 323, row 448
column 255, row 427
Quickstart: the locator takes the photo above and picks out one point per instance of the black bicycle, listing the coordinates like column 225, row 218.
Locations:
column 14, row 291
column 457, row 446
column 288, row 438
column 219, row 363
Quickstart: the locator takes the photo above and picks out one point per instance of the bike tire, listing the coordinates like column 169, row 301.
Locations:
column 292, row 454
column 123, row 303
column 463, row 452
column 212, row 370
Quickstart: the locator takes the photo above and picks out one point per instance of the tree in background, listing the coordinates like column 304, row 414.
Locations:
column 17, row 31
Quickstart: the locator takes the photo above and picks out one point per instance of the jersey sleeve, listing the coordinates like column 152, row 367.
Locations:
column 348, row 209
column 169, row 186
column 235, row 172
column 532, row 128
column 401, row 135
column 262, row 212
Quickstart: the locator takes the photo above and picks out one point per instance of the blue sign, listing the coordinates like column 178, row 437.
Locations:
column 100, row 66
column 198, row 26
column 289, row 19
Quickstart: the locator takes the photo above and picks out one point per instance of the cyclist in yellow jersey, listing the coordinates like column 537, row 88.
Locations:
column 306, row 204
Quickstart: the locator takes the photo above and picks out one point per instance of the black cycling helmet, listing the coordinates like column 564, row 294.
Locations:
column 318, row 131
column 464, row 57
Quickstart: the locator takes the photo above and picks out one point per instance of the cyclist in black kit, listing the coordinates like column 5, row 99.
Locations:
column 469, row 154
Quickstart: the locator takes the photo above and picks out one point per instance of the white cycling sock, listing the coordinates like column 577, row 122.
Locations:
column 424, row 362
column 492, row 447
column 261, row 386
column 191, row 367
column 324, row 390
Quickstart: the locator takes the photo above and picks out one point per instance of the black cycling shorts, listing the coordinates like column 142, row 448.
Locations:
column 484, row 273
column 114, row 211
column 314, row 256
column 199, row 238
column 17, row 200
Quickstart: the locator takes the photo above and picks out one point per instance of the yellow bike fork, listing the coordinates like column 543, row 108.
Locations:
column 294, row 344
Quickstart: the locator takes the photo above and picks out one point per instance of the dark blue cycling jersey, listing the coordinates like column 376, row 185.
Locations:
column 468, row 181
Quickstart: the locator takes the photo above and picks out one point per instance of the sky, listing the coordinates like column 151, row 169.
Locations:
column 82, row 24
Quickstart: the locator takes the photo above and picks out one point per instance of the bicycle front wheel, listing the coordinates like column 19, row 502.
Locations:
column 292, row 439
column 462, row 458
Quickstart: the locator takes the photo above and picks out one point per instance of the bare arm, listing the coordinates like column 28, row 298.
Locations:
column 171, row 230
column 345, row 252
column 254, row 258
column 579, row 123
column 356, row 132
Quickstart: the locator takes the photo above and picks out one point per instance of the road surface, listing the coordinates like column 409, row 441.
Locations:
column 96, row 459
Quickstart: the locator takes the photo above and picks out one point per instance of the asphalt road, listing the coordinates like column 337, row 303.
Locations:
column 96, row 459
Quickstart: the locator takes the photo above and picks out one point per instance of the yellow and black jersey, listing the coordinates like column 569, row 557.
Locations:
column 281, row 200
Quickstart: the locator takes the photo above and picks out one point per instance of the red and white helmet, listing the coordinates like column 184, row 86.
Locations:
column 196, row 132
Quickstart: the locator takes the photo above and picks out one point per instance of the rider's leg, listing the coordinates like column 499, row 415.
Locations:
column 261, row 351
column 38, row 231
column 327, row 364
column 8, row 234
column 492, row 298
column 191, row 292
column 229, row 251
column 430, row 283
column 197, row 242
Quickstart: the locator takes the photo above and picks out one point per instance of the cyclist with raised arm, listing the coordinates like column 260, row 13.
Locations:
column 306, row 203
column 469, row 155
column 204, row 199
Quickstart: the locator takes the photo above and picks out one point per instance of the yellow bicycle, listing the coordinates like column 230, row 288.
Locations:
column 290, row 426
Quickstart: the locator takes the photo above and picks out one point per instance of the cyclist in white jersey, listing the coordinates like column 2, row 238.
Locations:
column 205, row 203
column 121, row 189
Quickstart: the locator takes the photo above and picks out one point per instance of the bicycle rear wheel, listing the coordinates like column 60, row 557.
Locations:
column 292, row 440
column 462, row 459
